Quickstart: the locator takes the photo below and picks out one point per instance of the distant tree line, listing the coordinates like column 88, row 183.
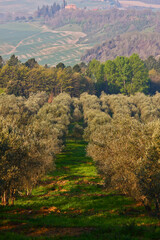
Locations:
column 122, row 75
column 47, row 11
column 22, row 79
column 153, row 65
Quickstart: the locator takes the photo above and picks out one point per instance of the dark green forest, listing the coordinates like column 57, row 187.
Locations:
column 126, row 75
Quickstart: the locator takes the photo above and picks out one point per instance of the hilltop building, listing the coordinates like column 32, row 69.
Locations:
column 71, row 6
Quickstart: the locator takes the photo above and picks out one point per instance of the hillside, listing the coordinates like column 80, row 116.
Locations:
column 102, row 25
column 65, row 36
column 30, row 40
column 144, row 44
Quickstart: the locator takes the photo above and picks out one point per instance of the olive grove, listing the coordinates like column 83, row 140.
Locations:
column 31, row 134
column 123, row 134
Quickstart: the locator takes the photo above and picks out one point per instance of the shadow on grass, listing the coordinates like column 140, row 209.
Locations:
column 75, row 191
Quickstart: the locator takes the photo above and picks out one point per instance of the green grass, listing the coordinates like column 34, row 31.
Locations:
column 2, row 90
column 70, row 27
column 75, row 192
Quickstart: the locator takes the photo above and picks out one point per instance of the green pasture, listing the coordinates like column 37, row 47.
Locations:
column 2, row 90
column 71, row 203
column 70, row 27
column 13, row 33
column 29, row 40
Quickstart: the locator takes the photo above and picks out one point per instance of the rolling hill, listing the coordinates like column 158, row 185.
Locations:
column 144, row 44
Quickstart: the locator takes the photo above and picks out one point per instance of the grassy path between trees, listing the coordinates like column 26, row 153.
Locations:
column 71, row 203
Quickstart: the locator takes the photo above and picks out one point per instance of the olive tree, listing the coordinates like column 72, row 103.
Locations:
column 127, row 155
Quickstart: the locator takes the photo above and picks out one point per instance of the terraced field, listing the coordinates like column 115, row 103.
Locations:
column 29, row 40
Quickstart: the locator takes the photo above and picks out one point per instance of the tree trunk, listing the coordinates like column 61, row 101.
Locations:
column 12, row 198
column 157, row 206
column 28, row 191
column 147, row 204
column 5, row 198
column 148, row 208
column 12, row 201
column 2, row 201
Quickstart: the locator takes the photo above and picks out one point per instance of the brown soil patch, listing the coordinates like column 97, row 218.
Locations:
column 43, row 211
column 138, row 204
column 11, row 225
column 55, row 231
column 148, row 224
column 62, row 182
column 21, row 211
column 88, row 182
column 46, row 211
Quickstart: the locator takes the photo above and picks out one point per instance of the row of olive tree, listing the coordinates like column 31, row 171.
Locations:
column 143, row 108
column 93, row 115
column 31, row 134
column 125, row 144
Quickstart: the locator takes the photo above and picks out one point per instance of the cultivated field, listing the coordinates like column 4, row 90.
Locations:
column 138, row 4
column 29, row 40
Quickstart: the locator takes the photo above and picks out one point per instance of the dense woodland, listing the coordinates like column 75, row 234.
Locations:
column 22, row 79
column 126, row 75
